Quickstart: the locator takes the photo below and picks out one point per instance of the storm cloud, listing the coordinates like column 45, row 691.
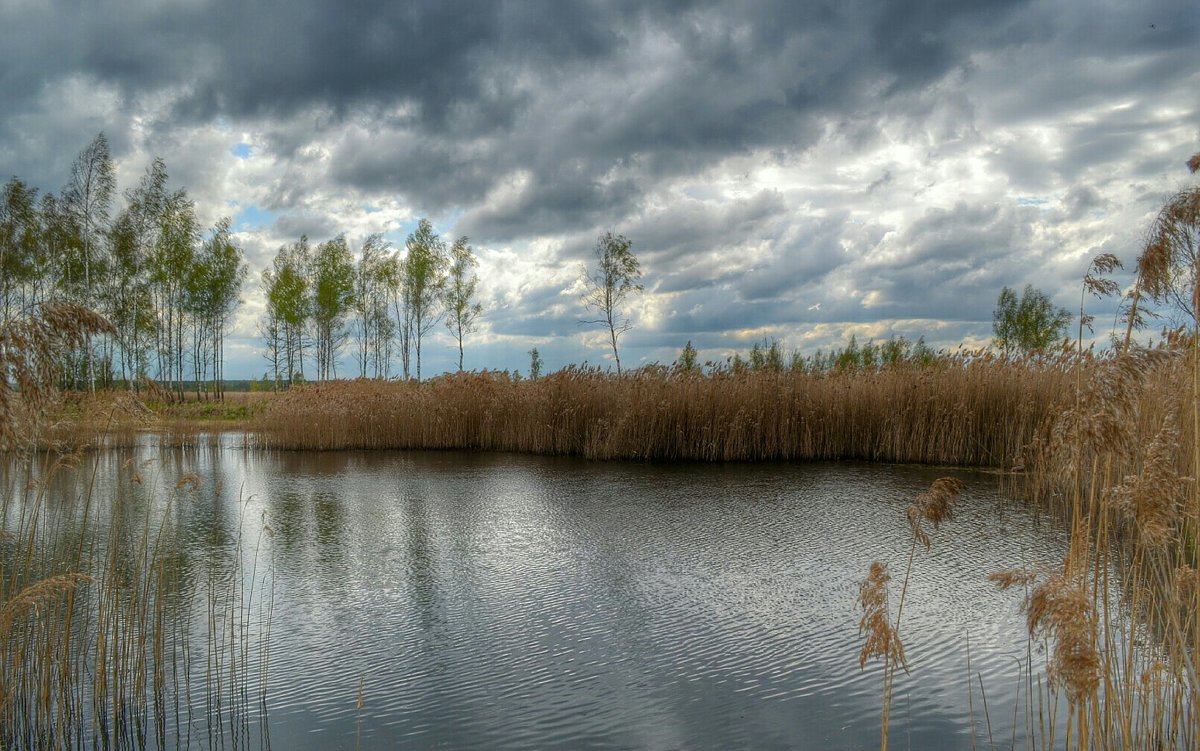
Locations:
column 796, row 170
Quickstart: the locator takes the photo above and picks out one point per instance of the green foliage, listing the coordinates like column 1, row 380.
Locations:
column 796, row 363
column 86, row 202
column 1028, row 324
column 607, row 285
column 286, row 285
column 372, row 276
column 170, row 264
column 766, row 356
column 423, row 279
column 21, row 258
column 894, row 352
column 535, row 364
column 921, row 353
column 459, row 297
column 332, row 280
column 166, row 296
column 848, row 360
column 687, row 358
column 211, row 294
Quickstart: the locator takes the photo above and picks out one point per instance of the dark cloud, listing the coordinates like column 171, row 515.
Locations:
column 317, row 228
column 676, row 234
column 565, row 91
column 1082, row 199
column 919, row 154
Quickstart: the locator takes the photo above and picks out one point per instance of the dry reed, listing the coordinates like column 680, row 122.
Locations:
column 934, row 506
column 882, row 639
column 95, row 627
column 972, row 409
column 1120, row 613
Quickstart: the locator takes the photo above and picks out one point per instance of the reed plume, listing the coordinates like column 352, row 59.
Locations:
column 934, row 506
column 29, row 349
column 1150, row 501
column 883, row 641
column 1062, row 611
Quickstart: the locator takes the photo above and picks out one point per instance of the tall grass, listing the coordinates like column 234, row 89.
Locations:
column 1120, row 615
column 968, row 410
column 101, row 634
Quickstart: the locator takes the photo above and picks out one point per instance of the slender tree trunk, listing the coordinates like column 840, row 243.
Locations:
column 417, row 331
column 612, row 333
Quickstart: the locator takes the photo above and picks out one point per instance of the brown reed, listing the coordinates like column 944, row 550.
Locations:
column 1120, row 614
column 29, row 349
column 1062, row 611
column 972, row 409
column 93, row 620
column 882, row 640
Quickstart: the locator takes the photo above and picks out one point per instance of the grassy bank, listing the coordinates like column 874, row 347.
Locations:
column 118, row 418
column 976, row 411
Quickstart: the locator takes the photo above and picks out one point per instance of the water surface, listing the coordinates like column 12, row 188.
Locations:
column 506, row 601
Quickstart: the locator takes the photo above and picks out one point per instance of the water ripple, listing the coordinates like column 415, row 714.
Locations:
column 511, row 602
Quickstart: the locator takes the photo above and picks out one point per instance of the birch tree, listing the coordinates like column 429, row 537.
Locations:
column 374, row 325
column 332, row 299
column 608, row 285
column 423, row 279
column 286, row 285
column 459, row 302
column 87, row 200
column 20, row 242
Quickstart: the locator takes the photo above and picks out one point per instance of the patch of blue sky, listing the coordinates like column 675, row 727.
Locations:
column 251, row 217
column 241, row 150
column 1032, row 201
column 397, row 236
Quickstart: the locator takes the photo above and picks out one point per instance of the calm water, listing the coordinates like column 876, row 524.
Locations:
column 500, row 601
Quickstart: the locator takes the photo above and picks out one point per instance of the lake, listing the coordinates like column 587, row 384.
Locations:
column 458, row 600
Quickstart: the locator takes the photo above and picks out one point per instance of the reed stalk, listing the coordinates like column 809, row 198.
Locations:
column 93, row 610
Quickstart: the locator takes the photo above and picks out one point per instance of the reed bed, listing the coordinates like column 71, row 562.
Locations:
column 1119, row 617
column 108, row 623
column 967, row 410
column 103, row 632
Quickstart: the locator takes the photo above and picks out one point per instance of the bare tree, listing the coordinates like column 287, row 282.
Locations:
column 607, row 286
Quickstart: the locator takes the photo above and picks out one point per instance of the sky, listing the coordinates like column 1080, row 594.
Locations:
column 796, row 171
